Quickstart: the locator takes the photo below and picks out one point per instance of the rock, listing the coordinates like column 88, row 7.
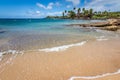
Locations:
column 110, row 24
column 111, row 28
column 95, row 24
column 114, row 21
column 2, row 31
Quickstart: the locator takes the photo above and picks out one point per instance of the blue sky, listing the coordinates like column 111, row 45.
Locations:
column 42, row 8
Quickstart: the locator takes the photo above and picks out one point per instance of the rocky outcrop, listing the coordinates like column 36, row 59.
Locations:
column 114, row 25
column 114, row 21
column 110, row 24
column 111, row 28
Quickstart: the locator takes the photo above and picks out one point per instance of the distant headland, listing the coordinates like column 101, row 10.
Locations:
column 82, row 13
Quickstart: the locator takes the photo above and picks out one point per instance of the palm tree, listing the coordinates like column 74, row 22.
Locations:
column 78, row 13
column 105, row 12
column 74, row 8
column 65, row 11
column 83, row 11
column 86, row 12
column 99, row 12
column 95, row 12
column 79, row 10
column 71, row 14
column 90, row 13
column 63, row 14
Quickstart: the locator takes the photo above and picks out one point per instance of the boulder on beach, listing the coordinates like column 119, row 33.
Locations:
column 114, row 21
column 111, row 28
column 110, row 24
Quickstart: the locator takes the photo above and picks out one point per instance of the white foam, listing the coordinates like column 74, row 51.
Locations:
column 1, row 54
column 62, row 48
column 9, row 52
column 9, row 61
column 94, row 77
column 101, row 38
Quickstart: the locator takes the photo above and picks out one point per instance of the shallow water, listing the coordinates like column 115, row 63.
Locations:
column 31, row 34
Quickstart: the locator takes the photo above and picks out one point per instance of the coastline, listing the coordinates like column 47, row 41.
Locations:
column 92, row 59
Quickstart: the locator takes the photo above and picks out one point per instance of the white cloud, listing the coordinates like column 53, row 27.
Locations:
column 49, row 6
column 35, row 13
column 54, row 13
column 75, row 2
column 68, row 6
column 101, row 5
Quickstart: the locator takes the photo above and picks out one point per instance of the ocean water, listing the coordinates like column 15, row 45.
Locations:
column 34, row 34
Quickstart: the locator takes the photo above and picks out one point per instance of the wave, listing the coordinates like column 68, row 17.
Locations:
column 56, row 49
column 9, row 52
column 9, row 60
column 53, row 49
column 62, row 48
column 94, row 77
column 101, row 38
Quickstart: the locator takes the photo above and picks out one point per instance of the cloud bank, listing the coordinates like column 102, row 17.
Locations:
column 49, row 6
column 100, row 5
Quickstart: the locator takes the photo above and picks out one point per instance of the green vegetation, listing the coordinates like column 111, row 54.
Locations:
column 82, row 13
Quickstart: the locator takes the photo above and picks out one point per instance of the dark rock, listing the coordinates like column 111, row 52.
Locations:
column 111, row 28
column 2, row 31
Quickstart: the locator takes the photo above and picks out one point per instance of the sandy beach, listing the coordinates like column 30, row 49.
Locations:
column 95, row 58
column 59, row 39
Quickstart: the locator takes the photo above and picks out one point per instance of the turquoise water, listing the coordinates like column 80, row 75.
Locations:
column 30, row 34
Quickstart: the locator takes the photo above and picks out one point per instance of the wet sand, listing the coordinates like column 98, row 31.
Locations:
column 92, row 59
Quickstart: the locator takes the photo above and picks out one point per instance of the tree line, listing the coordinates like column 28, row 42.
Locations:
column 78, row 13
column 83, row 13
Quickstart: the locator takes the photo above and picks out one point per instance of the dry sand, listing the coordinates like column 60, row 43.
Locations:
column 92, row 59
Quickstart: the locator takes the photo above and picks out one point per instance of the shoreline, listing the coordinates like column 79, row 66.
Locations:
column 95, row 77
column 52, row 49
column 75, row 61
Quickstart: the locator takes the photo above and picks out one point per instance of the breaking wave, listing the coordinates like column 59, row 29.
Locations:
column 9, row 52
column 62, row 48
column 94, row 77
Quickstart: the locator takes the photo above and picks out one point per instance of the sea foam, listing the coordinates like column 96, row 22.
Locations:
column 9, row 52
column 94, row 77
column 101, row 38
column 62, row 48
